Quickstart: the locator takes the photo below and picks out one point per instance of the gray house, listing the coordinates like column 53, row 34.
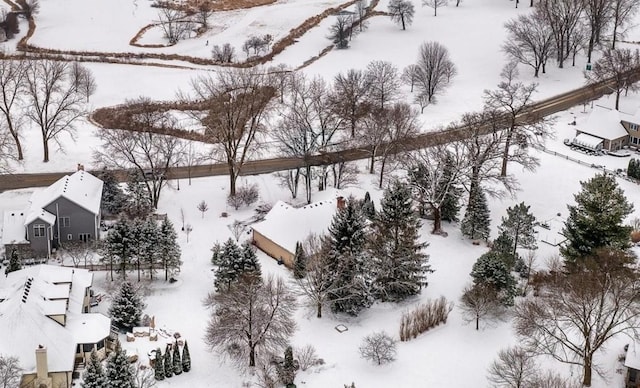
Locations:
column 66, row 211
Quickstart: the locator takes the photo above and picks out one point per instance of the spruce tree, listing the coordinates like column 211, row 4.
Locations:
column 503, row 248
column 229, row 267
column 287, row 371
column 126, row 307
column 119, row 247
column 93, row 376
column 168, row 363
column 250, row 261
column 139, row 204
column 186, row 358
column 450, row 206
column 398, row 263
column 113, row 198
column 368, row 208
column 168, row 248
column 350, row 280
column 158, row 365
column 476, row 222
column 119, row 372
column 595, row 221
column 177, row 360
column 15, row 264
column 490, row 269
column 216, row 254
column 519, row 226
column 299, row 262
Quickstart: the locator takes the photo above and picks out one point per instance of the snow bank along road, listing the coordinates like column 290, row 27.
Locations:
column 539, row 109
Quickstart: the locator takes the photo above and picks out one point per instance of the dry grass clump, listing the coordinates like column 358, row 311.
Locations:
column 424, row 317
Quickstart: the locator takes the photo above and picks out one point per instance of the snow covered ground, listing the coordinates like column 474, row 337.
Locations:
column 453, row 355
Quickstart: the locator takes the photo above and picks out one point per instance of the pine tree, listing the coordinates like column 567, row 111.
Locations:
column 158, row 366
column 93, row 376
column 519, row 226
column 299, row 262
column 186, row 358
column 139, row 204
column 216, row 254
column 113, row 198
column 350, row 281
column 490, row 269
column 399, row 265
column 250, row 261
column 146, row 234
column 119, row 373
column 476, row 222
column 126, row 307
column 595, row 221
column 177, row 360
column 287, row 371
column 368, row 208
column 503, row 248
column 168, row 363
column 119, row 247
column 168, row 248
column 228, row 269
column 451, row 202
column 15, row 264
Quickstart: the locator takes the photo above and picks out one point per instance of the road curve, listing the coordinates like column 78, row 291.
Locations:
column 545, row 107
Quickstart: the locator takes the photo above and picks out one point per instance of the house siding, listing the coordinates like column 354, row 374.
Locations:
column 80, row 221
column 272, row 249
column 58, row 379
column 40, row 246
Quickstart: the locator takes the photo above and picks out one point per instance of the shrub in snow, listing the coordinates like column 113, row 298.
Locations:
column 158, row 365
column 168, row 362
column 186, row 358
column 177, row 360
column 424, row 317
column 378, row 347
column 307, row 357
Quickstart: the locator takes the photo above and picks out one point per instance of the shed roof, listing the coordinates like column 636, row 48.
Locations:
column 604, row 123
column 588, row 141
column 13, row 227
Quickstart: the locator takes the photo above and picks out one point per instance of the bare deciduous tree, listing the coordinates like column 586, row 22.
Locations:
column 252, row 316
column 10, row 371
column 175, row 24
column 562, row 17
column 29, row 7
column 53, row 103
column 481, row 302
column 576, row 314
column 378, row 347
column 203, row 14
column 529, row 41
column 510, row 100
column 80, row 252
column 615, row 65
column 237, row 228
column 223, row 54
column 384, row 81
column 622, row 11
column 350, row 91
column 340, row 32
column 598, row 15
column 12, row 77
column 236, row 103
column 435, row 4
column 83, row 80
column 410, row 75
column 361, row 9
column 401, row 11
column 143, row 376
column 435, row 69
column 148, row 154
column 514, row 368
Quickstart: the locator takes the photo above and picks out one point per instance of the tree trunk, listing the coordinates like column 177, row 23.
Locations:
column 618, row 98
column 372, row 161
column 437, row 220
column 384, row 162
column 590, row 48
column 613, row 40
column 16, row 140
column 403, row 26
column 252, row 356
column 586, row 379
column 477, row 322
column 45, row 147
column 232, row 180
column 166, row 271
column 138, row 265
column 307, row 183
column 505, row 154
column 319, row 310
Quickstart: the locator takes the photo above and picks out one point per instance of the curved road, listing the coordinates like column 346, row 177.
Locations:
column 542, row 108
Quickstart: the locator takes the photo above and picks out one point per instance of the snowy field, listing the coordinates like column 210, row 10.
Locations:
column 449, row 356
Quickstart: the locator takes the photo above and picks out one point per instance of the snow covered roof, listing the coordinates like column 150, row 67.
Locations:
column 13, row 227
column 286, row 225
column 632, row 360
column 588, row 141
column 604, row 123
column 81, row 188
column 39, row 214
column 27, row 302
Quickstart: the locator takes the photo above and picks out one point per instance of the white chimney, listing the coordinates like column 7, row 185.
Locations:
column 42, row 368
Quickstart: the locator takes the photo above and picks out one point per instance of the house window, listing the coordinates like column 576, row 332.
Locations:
column 633, row 127
column 69, row 236
column 100, row 344
column 84, row 237
column 634, row 140
column 87, row 348
column 65, row 222
column 38, row 230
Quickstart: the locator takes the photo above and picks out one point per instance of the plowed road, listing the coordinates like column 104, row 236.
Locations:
column 542, row 108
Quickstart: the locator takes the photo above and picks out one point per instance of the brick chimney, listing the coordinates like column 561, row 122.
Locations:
column 80, row 167
column 42, row 368
column 341, row 203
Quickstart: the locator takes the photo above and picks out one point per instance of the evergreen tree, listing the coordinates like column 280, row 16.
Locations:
column 368, row 208
column 228, row 269
column 216, row 254
column 350, row 281
column 519, row 226
column 126, row 307
column 146, row 234
column 139, row 204
column 633, row 170
column 119, row 247
column 490, row 269
column 168, row 248
column 451, row 202
column 119, row 372
column 503, row 248
column 476, row 222
column 177, row 360
column 113, row 198
column 250, row 261
column 168, row 363
column 287, row 371
column 93, row 376
column 186, row 358
column 399, row 265
column 158, row 366
column 595, row 221
column 15, row 263
column 299, row 262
